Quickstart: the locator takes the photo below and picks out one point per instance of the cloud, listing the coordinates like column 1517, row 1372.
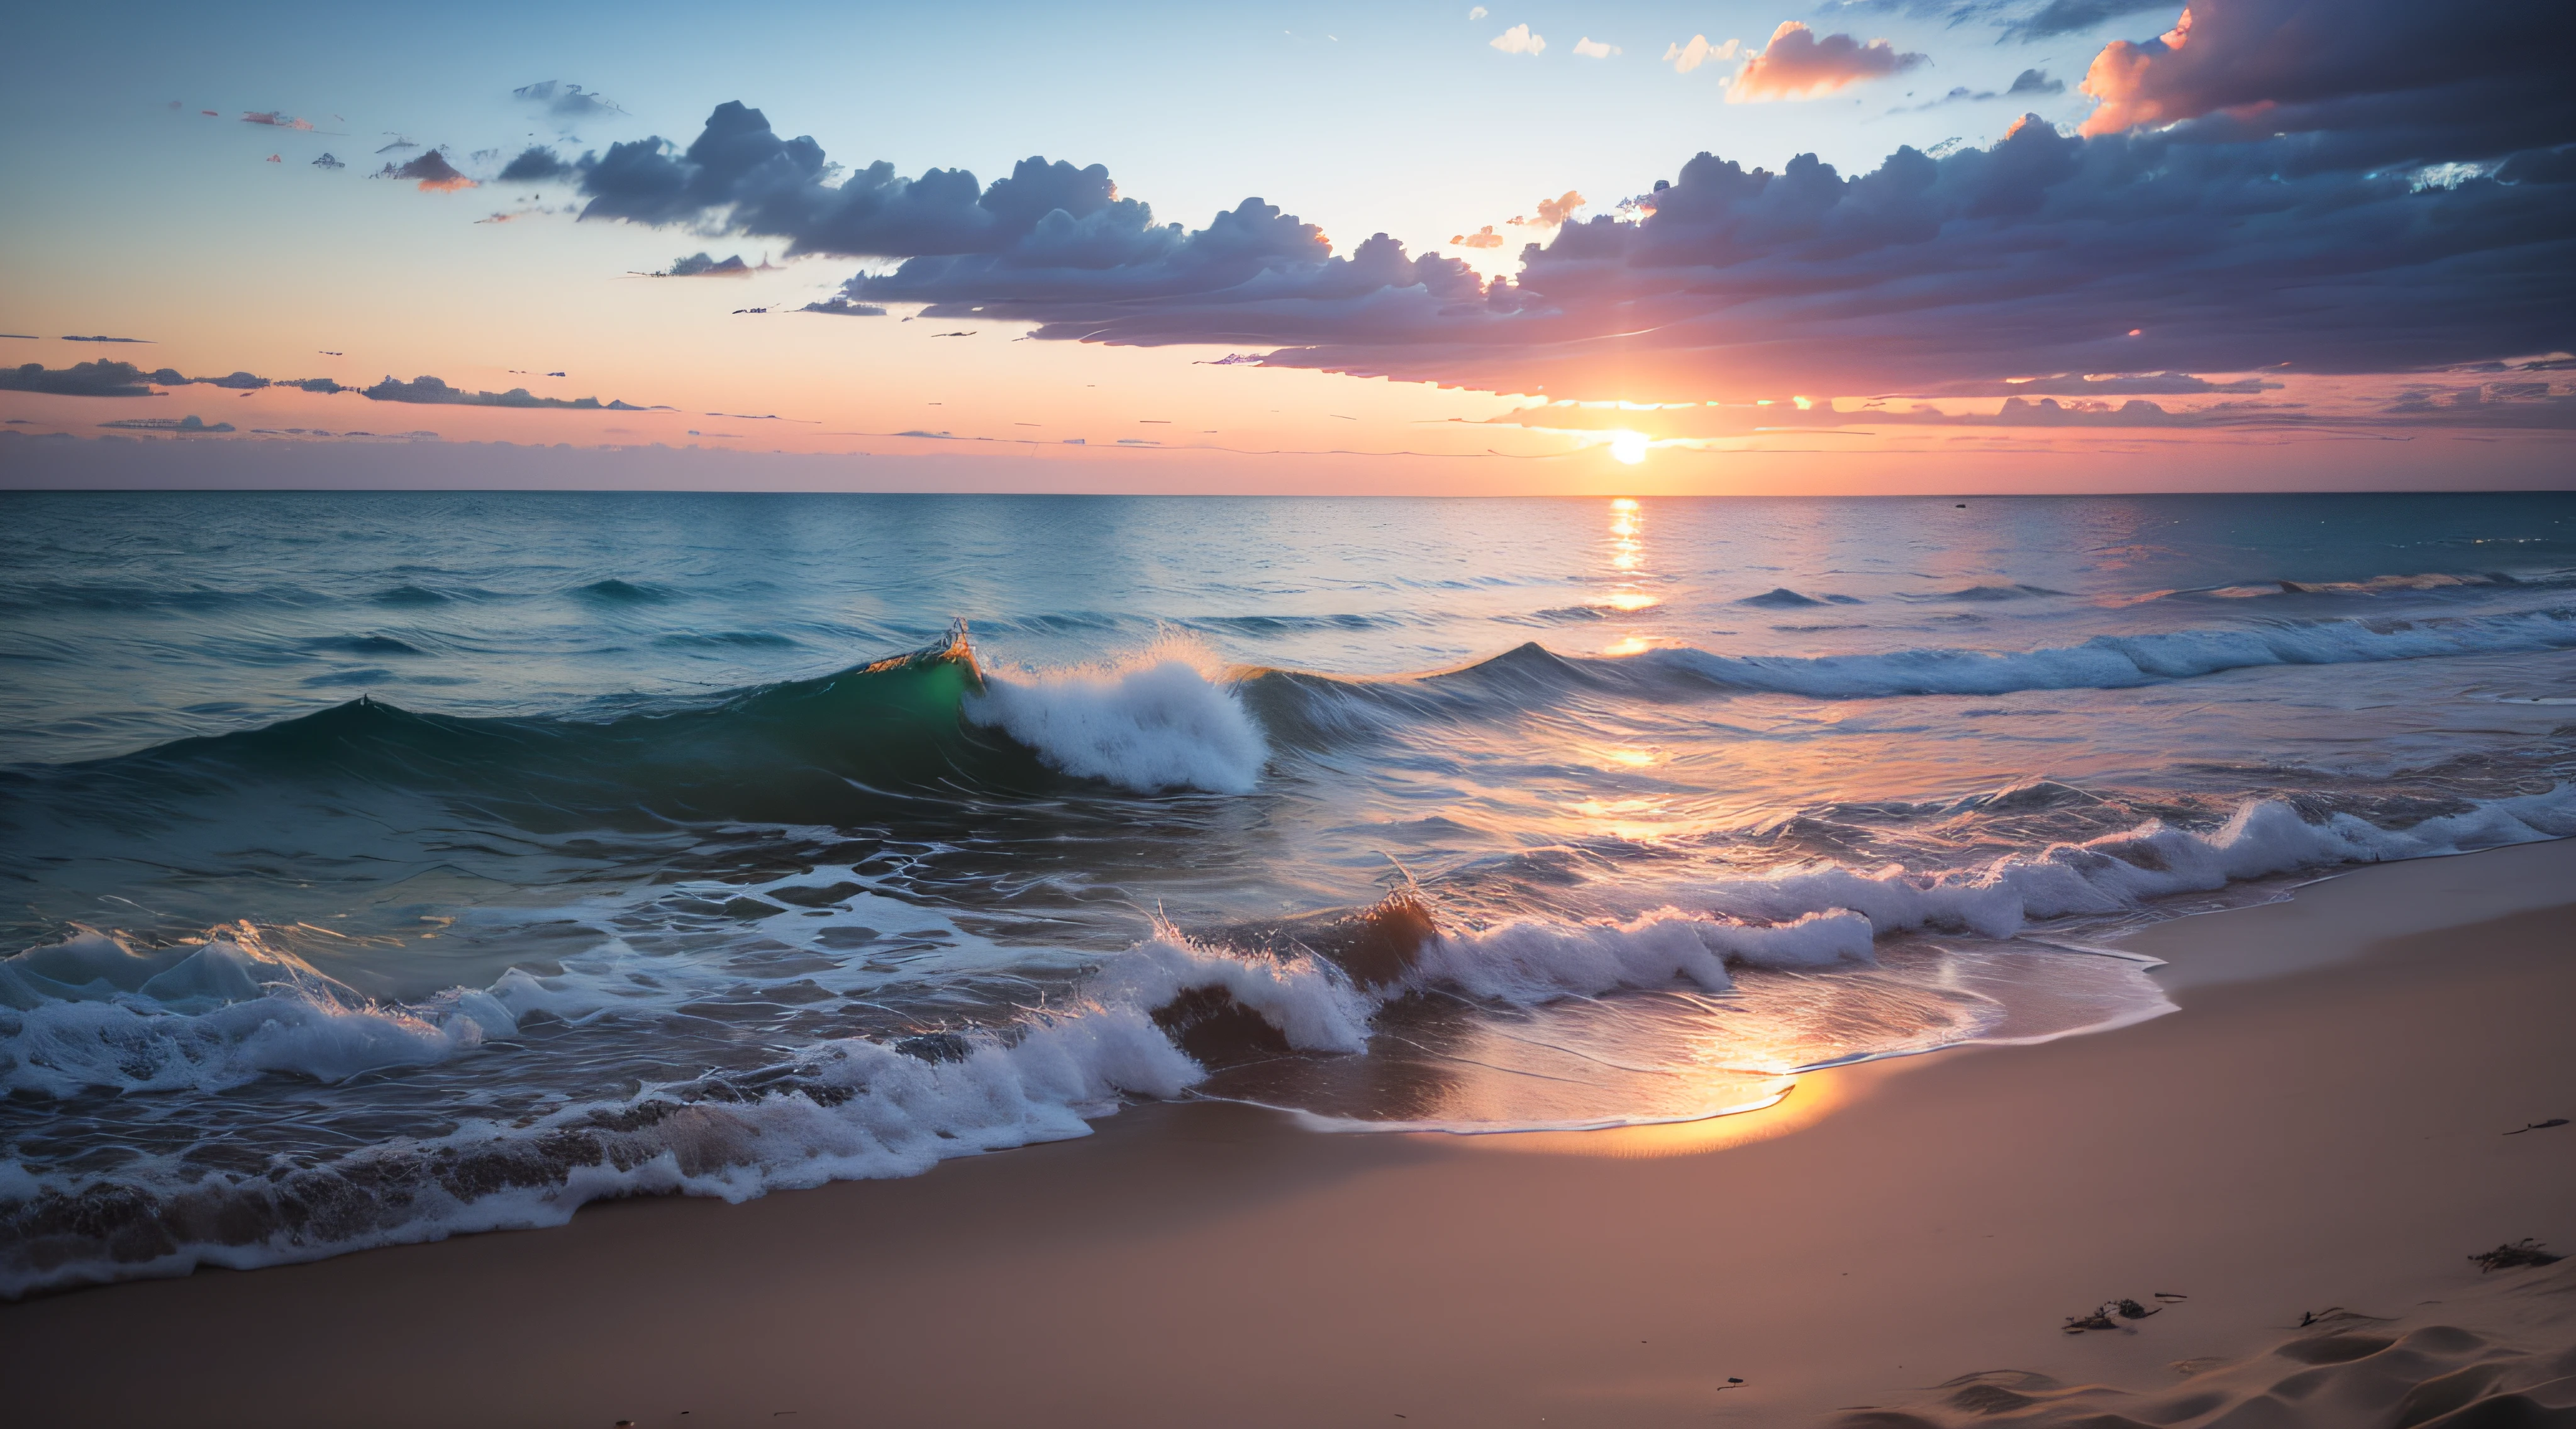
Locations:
column 144, row 340
column 843, row 307
column 1484, row 237
column 2067, row 17
column 1685, row 58
column 2024, row 20
column 190, row 423
column 431, row 391
column 82, row 379
column 566, row 99
column 536, row 164
column 433, row 172
column 1555, row 211
column 2343, row 64
column 275, row 120
column 1519, row 41
column 702, row 265
column 2029, row 84
column 1797, row 65
column 2296, row 238
column 1593, row 49
column 1475, row 13
column 328, row 162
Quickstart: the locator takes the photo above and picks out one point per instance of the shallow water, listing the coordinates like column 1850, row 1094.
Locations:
column 384, row 865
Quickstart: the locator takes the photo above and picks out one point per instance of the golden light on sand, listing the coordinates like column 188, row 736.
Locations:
column 1629, row 448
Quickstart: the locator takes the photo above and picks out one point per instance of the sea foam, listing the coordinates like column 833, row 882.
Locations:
column 1151, row 724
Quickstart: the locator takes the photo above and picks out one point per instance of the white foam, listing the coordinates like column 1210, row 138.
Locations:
column 2121, row 661
column 212, row 1014
column 2122, row 871
column 1155, row 723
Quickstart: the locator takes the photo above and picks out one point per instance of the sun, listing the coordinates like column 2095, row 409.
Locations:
column 1628, row 447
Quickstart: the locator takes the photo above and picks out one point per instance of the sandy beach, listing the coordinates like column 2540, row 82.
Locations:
column 2320, row 1131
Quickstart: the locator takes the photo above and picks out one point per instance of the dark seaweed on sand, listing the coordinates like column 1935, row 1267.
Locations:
column 2513, row 1255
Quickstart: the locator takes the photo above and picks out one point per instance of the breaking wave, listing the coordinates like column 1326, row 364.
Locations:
column 95, row 1012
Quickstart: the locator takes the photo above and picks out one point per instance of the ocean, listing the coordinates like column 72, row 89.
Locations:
column 383, row 866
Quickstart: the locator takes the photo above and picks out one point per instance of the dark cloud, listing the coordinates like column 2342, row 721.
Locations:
column 191, row 423
column 2140, row 384
column 2029, row 84
column 2024, row 20
column 2343, row 229
column 275, row 120
column 431, row 171
column 564, row 98
column 104, row 378
column 536, row 164
column 82, row 379
column 431, row 391
column 328, row 162
column 144, row 340
column 2069, row 17
column 703, row 265
column 2340, row 64
column 843, row 307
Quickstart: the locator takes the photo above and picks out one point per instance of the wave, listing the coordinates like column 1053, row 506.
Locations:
column 2119, row 661
column 1151, row 724
column 836, row 749
column 1151, row 1022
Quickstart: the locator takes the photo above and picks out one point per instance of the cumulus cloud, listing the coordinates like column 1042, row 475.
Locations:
column 1475, row 13
column 843, row 307
column 536, row 164
column 1555, row 211
column 2295, row 238
column 1797, row 65
column 1687, row 57
column 566, row 99
column 1484, row 237
column 1593, row 49
column 2341, row 64
column 431, row 171
column 328, row 162
column 1519, row 41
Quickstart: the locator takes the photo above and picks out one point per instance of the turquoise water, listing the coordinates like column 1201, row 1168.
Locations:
column 387, row 865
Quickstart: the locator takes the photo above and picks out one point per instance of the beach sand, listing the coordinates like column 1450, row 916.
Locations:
column 2321, row 1127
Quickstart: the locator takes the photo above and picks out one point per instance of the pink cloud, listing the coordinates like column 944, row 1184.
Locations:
column 1797, row 65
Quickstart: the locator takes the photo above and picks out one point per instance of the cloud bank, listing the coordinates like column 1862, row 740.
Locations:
column 2401, row 199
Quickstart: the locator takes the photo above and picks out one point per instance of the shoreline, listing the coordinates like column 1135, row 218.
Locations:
column 2311, row 1128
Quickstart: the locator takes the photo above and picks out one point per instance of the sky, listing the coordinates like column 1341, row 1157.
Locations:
column 1873, row 245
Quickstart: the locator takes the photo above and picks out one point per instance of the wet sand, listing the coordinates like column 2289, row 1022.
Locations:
column 2321, row 1125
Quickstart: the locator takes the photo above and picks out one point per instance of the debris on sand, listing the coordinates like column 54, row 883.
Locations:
column 2514, row 1255
column 2538, row 1126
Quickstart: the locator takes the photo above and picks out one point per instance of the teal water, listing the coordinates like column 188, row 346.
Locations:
column 387, row 865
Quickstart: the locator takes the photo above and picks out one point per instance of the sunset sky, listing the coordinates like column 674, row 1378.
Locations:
column 1925, row 244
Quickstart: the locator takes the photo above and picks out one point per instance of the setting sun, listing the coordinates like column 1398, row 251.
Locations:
column 1628, row 447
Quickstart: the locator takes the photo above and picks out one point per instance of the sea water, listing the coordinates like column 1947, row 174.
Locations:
column 384, row 865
